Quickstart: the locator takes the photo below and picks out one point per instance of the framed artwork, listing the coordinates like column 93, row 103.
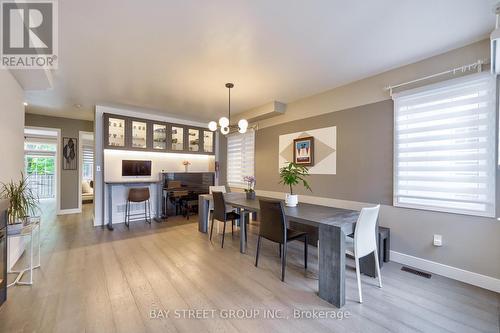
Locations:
column 70, row 154
column 303, row 151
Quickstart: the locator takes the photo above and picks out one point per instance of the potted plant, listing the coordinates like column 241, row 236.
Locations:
column 291, row 174
column 22, row 202
column 250, row 192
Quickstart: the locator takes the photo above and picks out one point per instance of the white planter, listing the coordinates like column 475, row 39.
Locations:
column 291, row 200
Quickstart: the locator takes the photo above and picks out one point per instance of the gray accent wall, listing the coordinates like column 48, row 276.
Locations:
column 364, row 154
column 69, row 128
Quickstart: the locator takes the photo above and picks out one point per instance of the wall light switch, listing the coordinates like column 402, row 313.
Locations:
column 438, row 240
column 98, row 168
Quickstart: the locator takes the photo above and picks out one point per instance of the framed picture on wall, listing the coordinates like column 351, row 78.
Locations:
column 303, row 151
column 70, row 154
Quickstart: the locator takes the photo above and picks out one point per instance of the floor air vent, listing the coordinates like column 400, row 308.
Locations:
column 416, row 272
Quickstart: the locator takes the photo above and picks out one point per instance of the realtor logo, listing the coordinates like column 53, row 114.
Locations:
column 29, row 34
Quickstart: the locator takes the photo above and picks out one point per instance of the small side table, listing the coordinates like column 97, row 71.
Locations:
column 27, row 231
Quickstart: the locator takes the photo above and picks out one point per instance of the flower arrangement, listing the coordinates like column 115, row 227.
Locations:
column 186, row 164
column 250, row 192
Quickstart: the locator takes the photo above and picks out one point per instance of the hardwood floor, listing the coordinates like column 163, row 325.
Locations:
column 93, row 280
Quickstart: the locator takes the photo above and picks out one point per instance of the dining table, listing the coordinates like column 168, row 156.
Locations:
column 334, row 225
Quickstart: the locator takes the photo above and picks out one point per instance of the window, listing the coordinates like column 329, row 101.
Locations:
column 240, row 157
column 40, row 166
column 88, row 163
column 444, row 147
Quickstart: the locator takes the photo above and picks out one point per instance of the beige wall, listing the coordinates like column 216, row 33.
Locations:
column 363, row 114
column 69, row 128
column 11, row 142
column 371, row 90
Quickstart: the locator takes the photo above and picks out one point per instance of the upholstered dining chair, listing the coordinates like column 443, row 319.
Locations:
column 365, row 242
column 273, row 227
column 221, row 214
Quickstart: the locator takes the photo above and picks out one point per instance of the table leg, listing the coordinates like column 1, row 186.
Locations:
column 332, row 265
column 110, row 207
column 203, row 215
column 243, row 230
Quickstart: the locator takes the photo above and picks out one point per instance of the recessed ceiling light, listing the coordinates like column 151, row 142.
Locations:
column 25, row 103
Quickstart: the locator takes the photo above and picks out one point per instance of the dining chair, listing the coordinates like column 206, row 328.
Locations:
column 273, row 227
column 220, row 214
column 220, row 188
column 365, row 242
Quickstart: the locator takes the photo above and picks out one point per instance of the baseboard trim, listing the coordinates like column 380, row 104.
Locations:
column 69, row 211
column 479, row 280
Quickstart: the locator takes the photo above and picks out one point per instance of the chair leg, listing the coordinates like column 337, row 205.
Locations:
column 127, row 212
column 212, row 227
column 305, row 251
column 232, row 228
column 283, row 261
column 149, row 211
column 223, row 234
column 358, row 277
column 377, row 268
column 257, row 253
column 279, row 249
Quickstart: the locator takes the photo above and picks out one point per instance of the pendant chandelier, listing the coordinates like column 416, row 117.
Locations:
column 225, row 123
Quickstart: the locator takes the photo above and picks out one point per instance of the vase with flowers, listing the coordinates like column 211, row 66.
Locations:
column 186, row 165
column 250, row 192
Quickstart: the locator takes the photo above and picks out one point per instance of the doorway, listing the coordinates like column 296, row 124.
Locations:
column 86, row 173
column 41, row 167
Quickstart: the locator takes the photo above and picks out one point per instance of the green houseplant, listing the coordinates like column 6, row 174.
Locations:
column 22, row 200
column 290, row 175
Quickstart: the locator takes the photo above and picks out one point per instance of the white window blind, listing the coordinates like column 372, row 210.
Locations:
column 88, row 162
column 444, row 146
column 240, row 157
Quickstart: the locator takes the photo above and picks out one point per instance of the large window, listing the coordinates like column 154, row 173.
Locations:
column 444, row 147
column 240, row 157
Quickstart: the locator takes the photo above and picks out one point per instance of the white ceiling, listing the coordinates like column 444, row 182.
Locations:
column 174, row 57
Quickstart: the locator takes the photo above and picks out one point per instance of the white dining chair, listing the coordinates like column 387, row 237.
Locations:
column 211, row 189
column 365, row 242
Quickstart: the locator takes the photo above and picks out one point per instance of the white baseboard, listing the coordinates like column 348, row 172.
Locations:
column 69, row 211
column 479, row 280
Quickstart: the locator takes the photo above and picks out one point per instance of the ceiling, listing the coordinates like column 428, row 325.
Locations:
column 174, row 57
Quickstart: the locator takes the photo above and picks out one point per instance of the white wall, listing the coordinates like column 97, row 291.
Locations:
column 108, row 162
column 11, row 142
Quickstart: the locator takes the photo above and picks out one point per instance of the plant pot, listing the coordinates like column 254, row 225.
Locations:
column 15, row 228
column 250, row 195
column 291, row 200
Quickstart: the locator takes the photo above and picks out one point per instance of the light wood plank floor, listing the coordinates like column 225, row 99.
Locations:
column 93, row 280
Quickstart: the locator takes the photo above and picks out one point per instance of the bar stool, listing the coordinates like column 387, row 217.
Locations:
column 138, row 195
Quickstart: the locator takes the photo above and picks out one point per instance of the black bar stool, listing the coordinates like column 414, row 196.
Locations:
column 138, row 195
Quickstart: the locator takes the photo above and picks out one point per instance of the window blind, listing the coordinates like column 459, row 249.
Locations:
column 444, row 147
column 87, row 162
column 240, row 157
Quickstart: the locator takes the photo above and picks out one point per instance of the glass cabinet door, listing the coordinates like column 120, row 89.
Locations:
column 194, row 139
column 208, row 141
column 177, row 138
column 139, row 134
column 116, row 132
column 159, row 136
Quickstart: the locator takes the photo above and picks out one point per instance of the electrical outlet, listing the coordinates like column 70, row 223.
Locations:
column 438, row 240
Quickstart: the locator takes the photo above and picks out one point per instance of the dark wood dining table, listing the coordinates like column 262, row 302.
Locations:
column 334, row 225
